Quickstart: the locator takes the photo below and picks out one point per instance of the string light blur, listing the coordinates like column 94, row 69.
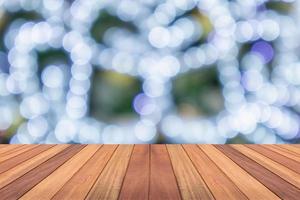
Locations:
column 260, row 104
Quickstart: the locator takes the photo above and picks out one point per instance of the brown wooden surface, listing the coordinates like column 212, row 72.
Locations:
column 149, row 171
column 272, row 181
column 163, row 184
column 136, row 181
column 190, row 182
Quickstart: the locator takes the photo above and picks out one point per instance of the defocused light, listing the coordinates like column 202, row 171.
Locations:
column 127, row 10
column 267, row 93
column 81, row 54
column 34, row 106
column 187, row 26
column 112, row 135
column 52, row 77
column 41, row 33
column 252, row 46
column 262, row 135
column 123, row 62
column 15, row 85
column 172, row 126
column 154, row 87
column 224, row 128
column 270, row 29
column 71, row 39
column 252, row 61
column 145, row 130
column 3, row 89
column 76, row 107
column 159, row 37
column 7, row 117
column 169, row 66
column 79, row 87
column 165, row 13
column 65, row 131
column 89, row 133
column 143, row 104
column 37, row 127
column 276, row 118
column 252, row 80
column 53, row 4
column 22, row 135
column 81, row 72
column 264, row 49
column 244, row 31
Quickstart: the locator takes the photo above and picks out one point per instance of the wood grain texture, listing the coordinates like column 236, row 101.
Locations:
column 16, row 151
column 213, row 176
column 163, row 184
column 23, row 184
column 10, row 148
column 251, row 187
column 19, row 170
column 292, row 164
column 155, row 172
column 110, row 180
column 19, row 158
column 139, row 164
column 284, row 152
column 282, row 171
column 292, row 148
column 269, row 179
column 80, row 184
column 189, row 180
column 47, row 188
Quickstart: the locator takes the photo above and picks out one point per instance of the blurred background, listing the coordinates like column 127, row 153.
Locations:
column 149, row 71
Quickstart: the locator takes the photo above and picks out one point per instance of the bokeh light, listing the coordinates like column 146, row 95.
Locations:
column 183, row 71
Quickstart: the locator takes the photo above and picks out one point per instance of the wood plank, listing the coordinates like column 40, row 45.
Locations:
column 213, row 176
column 136, row 181
column 80, row 184
column 252, row 188
column 15, row 151
column 9, row 148
column 285, row 152
column 291, row 148
column 149, row 172
column 17, row 159
column 291, row 164
column 190, row 183
column 19, row 170
column 163, row 184
column 109, row 183
column 47, row 188
column 2, row 146
column 20, row 186
column 284, row 172
column 269, row 179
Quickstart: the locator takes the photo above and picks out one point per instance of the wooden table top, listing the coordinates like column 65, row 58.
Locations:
column 149, row 172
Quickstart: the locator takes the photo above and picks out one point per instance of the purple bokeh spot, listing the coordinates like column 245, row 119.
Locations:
column 139, row 103
column 264, row 49
column 261, row 8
